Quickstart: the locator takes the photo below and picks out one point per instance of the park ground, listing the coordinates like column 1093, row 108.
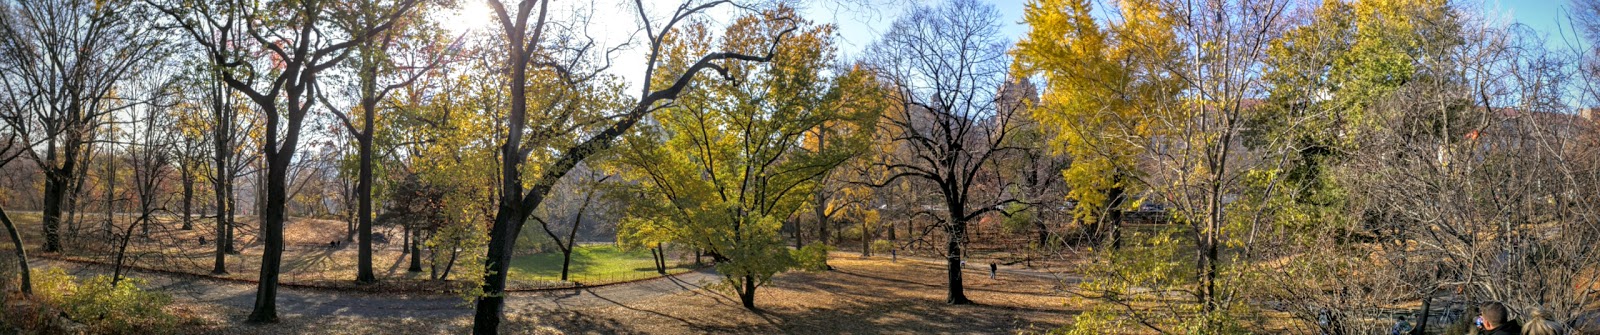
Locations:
column 861, row 295
column 871, row 295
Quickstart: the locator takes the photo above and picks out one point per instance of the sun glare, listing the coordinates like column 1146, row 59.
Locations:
column 473, row 15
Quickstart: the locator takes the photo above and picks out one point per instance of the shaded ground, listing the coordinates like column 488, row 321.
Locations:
column 861, row 296
column 309, row 257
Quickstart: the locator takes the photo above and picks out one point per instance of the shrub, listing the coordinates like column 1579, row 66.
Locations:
column 882, row 246
column 812, row 257
column 97, row 304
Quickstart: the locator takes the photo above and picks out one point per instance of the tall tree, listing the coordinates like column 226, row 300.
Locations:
column 587, row 184
column 62, row 61
column 392, row 59
column 1158, row 99
column 302, row 38
column 526, row 47
column 728, row 162
column 1092, row 87
column 947, row 63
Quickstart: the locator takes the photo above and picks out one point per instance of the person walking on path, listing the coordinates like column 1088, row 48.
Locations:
column 992, row 269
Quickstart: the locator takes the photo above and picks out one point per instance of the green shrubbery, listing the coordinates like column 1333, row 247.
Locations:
column 95, row 305
column 812, row 257
column 882, row 246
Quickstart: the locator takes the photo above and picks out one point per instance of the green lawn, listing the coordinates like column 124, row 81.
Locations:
column 591, row 264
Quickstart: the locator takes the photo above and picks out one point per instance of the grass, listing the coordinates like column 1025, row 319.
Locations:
column 595, row 263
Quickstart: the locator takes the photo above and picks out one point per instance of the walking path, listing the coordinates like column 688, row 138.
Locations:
column 324, row 302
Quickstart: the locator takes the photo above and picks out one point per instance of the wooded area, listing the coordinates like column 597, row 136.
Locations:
column 1169, row 167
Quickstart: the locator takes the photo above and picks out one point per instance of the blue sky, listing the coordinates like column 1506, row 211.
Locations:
column 1548, row 17
column 858, row 27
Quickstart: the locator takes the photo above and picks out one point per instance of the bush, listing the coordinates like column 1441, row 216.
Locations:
column 813, row 257
column 100, row 306
column 882, row 246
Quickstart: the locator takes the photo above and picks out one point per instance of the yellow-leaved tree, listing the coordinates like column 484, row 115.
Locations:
column 1098, row 107
column 720, row 169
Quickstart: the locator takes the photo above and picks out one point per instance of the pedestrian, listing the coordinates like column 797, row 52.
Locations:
column 1401, row 327
column 893, row 257
column 1495, row 320
column 992, row 269
column 1539, row 324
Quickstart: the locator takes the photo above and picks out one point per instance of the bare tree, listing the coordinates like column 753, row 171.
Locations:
column 946, row 64
column 590, row 179
column 62, row 61
column 374, row 60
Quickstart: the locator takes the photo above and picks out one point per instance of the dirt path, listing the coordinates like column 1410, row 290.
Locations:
column 320, row 302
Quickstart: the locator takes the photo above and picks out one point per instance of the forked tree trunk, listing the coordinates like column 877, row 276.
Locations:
column 747, row 294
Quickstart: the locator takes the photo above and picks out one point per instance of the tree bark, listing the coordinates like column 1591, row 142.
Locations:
column 416, row 251
column 1422, row 321
column 958, row 229
column 271, row 227
column 22, row 254
column 866, row 240
column 224, row 211
column 502, row 237
column 364, row 194
column 747, row 295
column 55, row 188
column 661, row 261
column 822, row 217
column 450, row 264
column 233, row 211
column 188, row 200
column 1114, row 217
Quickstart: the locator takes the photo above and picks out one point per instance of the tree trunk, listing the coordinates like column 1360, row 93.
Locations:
column 822, row 217
column 566, row 262
column 55, row 188
column 416, row 251
column 502, row 238
column 1044, row 232
column 271, row 227
column 1114, row 217
column 1422, row 321
column 111, row 190
column 122, row 249
column 74, row 217
column 277, row 158
column 233, row 210
column 797, row 242
column 957, row 231
column 223, row 212
column 747, row 295
column 188, row 200
column 866, row 240
column 1208, row 249
column 450, row 264
column 22, row 254
column 661, row 261
column 364, row 195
